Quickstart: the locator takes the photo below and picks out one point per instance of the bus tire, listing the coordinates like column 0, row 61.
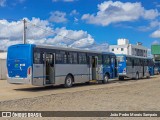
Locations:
column 137, row 76
column 121, row 78
column 148, row 76
column 68, row 81
column 106, row 79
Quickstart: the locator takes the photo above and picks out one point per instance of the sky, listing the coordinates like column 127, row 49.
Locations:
column 85, row 24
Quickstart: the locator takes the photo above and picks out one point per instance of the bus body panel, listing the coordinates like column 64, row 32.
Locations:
column 38, row 75
column 113, row 67
column 110, row 67
column 34, row 65
column 79, row 71
column 130, row 66
column 100, row 72
column 107, row 69
column 156, row 67
column 19, row 61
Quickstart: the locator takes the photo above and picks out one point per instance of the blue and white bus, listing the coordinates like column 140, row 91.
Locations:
column 48, row 65
column 134, row 67
column 156, row 67
column 150, row 64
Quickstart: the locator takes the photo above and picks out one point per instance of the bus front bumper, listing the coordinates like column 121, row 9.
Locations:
column 122, row 74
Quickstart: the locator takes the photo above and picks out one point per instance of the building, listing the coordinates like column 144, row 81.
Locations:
column 155, row 51
column 123, row 47
column 3, row 68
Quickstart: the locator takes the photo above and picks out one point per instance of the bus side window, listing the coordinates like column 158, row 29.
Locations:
column 37, row 58
column 132, row 62
column 112, row 60
column 61, row 57
column 50, row 59
column 106, row 60
column 99, row 59
column 72, row 58
column 82, row 57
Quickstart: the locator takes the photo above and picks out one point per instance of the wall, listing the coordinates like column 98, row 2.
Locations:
column 129, row 49
column 3, row 69
column 117, row 49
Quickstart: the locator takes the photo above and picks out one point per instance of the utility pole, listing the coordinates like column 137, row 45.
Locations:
column 24, row 31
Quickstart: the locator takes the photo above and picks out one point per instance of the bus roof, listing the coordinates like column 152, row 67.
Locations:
column 21, row 45
column 72, row 49
column 63, row 48
column 133, row 56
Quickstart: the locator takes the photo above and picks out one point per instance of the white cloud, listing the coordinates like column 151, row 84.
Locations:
column 11, row 30
column 2, row 3
column 113, row 12
column 155, row 34
column 14, row 30
column 58, row 17
column 100, row 47
column 39, row 29
column 41, row 32
column 76, row 20
column 74, row 12
column 71, row 38
column 152, row 24
column 4, row 44
column 155, row 42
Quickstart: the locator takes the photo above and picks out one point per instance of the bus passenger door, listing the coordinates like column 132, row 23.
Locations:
column 133, row 68
column 94, row 65
column 49, row 70
column 38, row 70
column 113, row 67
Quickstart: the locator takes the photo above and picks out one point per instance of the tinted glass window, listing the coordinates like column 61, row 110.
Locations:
column 37, row 58
column 106, row 60
column 120, row 58
column 99, row 59
column 129, row 61
column 61, row 57
column 82, row 58
column 72, row 58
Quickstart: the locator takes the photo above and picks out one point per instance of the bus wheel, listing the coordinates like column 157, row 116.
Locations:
column 137, row 76
column 121, row 78
column 106, row 78
column 148, row 76
column 68, row 81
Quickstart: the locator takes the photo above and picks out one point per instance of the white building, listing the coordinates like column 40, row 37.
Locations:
column 123, row 47
column 3, row 68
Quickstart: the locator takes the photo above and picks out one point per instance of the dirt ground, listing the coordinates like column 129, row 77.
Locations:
column 129, row 95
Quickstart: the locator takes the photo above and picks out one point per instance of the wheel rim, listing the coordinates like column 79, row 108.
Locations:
column 69, row 81
column 137, row 76
column 106, row 78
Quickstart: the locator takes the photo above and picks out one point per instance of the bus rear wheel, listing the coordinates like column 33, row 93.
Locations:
column 106, row 79
column 121, row 78
column 68, row 81
column 137, row 76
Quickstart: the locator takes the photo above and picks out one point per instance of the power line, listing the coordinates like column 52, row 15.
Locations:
column 51, row 31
